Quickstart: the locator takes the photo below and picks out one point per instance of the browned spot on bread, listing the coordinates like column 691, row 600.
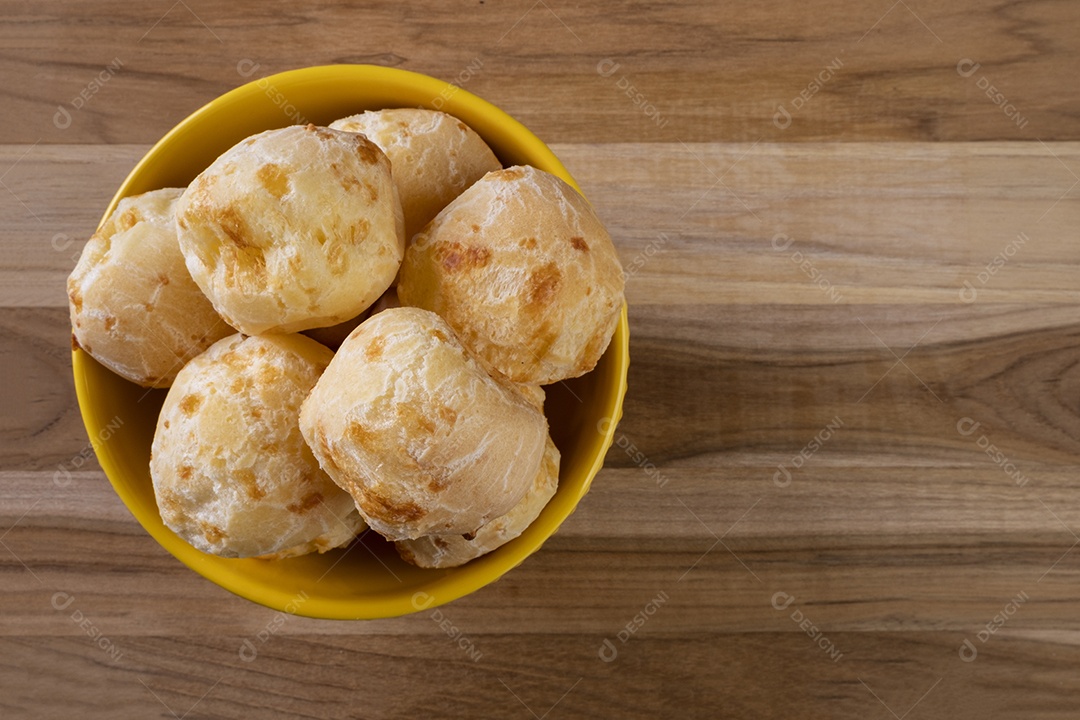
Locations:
column 447, row 415
column 233, row 359
column 475, row 228
column 246, row 477
column 413, row 420
column 189, row 404
column 462, row 126
column 268, row 375
column 74, row 343
column 359, row 232
column 588, row 291
column 274, row 179
column 440, row 542
column 368, row 151
column 358, row 434
column 336, row 259
column 243, row 267
column 184, row 472
column 374, row 349
column 306, row 503
column 511, row 173
column 271, row 446
column 383, row 508
column 212, row 533
column 543, row 338
column 128, row 219
column 579, row 243
column 591, row 353
column 373, row 193
column 344, row 176
column 326, row 453
column 234, row 226
column 149, row 307
column 169, row 503
column 528, row 243
column 162, row 279
column 543, row 285
column 455, row 257
column 76, row 298
column 439, row 335
column 110, row 322
column 166, row 424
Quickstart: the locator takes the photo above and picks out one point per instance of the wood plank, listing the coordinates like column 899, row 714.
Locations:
column 694, row 73
column 772, row 378
column 866, row 550
column 54, row 198
column 40, row 425
column 764, row 383
column 778, row 674
column 927, row 217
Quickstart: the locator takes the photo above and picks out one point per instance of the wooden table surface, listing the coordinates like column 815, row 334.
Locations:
column 846, row 482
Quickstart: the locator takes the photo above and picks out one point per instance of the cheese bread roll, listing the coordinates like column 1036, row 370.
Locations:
column 418, row 432
column 134, row 306
column 434, row 157
column 523, row 270
column 293, row 229
column 231, row 471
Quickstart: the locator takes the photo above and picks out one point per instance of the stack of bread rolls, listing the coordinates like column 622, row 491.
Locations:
column 436, row 292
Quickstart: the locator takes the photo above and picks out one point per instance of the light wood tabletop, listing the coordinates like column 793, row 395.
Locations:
column 846, row 483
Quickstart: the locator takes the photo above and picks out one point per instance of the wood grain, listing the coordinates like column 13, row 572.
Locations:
column 834, row 539
column 928, row 217
column 703, row 73
column 831, row 321
column 560, row 676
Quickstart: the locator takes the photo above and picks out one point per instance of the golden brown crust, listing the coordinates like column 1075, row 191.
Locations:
column 231, row 471
column 443, row 551
column 434, row 156
column 520, row 266
column 414, row 428
column 133, row 304
column 292, row 229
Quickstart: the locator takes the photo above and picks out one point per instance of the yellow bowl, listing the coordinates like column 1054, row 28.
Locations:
column 367, row 580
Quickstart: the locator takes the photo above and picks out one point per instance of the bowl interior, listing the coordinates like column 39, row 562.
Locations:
column 367, row 579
